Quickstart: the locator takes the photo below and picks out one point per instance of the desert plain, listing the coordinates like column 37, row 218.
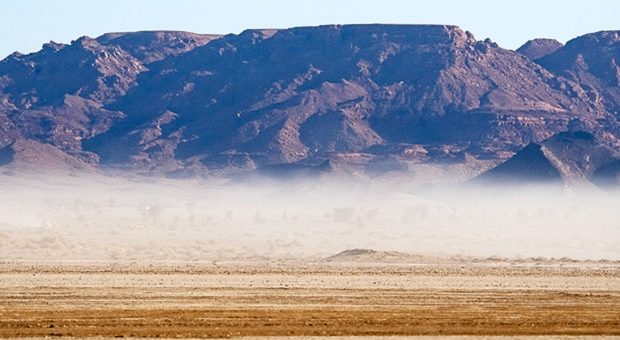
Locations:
column 355, row 293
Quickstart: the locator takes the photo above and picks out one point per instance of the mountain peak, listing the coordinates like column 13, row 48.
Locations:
column 152, row 46
column 86, row 42
column 604, row 37
column 538, row 48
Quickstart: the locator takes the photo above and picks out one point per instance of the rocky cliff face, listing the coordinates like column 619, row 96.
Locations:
column 179, row 103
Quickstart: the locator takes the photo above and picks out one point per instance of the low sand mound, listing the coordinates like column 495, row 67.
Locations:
column 374, row 256
column 369, row 256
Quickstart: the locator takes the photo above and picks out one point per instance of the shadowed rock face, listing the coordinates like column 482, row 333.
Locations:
column 176, row 102
column 568, row 158
column 608, row 176
column 529, row 165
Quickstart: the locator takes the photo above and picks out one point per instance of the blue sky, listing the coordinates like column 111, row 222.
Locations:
column 27, row 24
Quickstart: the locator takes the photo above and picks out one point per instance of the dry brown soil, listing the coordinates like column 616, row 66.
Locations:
column 320, row 299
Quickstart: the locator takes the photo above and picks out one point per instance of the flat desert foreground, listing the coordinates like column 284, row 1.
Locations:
column 280, row 299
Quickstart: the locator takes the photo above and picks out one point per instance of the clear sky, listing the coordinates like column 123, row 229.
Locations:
column 27, row 24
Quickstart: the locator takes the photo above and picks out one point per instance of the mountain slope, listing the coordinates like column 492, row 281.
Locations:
column 587, row 67
column 58, row 95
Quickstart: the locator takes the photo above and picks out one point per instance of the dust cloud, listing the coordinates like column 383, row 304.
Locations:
column 142, row 219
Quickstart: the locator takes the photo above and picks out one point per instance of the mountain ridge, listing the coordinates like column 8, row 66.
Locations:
column 164, row 103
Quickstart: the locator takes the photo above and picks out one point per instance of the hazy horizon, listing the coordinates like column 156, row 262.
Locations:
column 146, row 219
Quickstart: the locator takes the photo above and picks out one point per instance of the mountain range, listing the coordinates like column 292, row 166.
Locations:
column 374, row 98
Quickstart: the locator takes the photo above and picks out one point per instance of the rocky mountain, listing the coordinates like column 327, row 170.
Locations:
column 567, row 158
column 375, row 97
column 587, row 67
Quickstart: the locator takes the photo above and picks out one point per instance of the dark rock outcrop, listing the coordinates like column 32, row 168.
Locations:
column 568, row 158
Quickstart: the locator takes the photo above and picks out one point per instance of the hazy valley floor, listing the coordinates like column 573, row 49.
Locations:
column 274, row 298
column 107, row 257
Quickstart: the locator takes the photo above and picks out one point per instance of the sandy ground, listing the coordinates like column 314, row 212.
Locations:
column 292, row 298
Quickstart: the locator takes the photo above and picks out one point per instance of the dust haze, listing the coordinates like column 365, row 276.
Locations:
column 102, row 218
